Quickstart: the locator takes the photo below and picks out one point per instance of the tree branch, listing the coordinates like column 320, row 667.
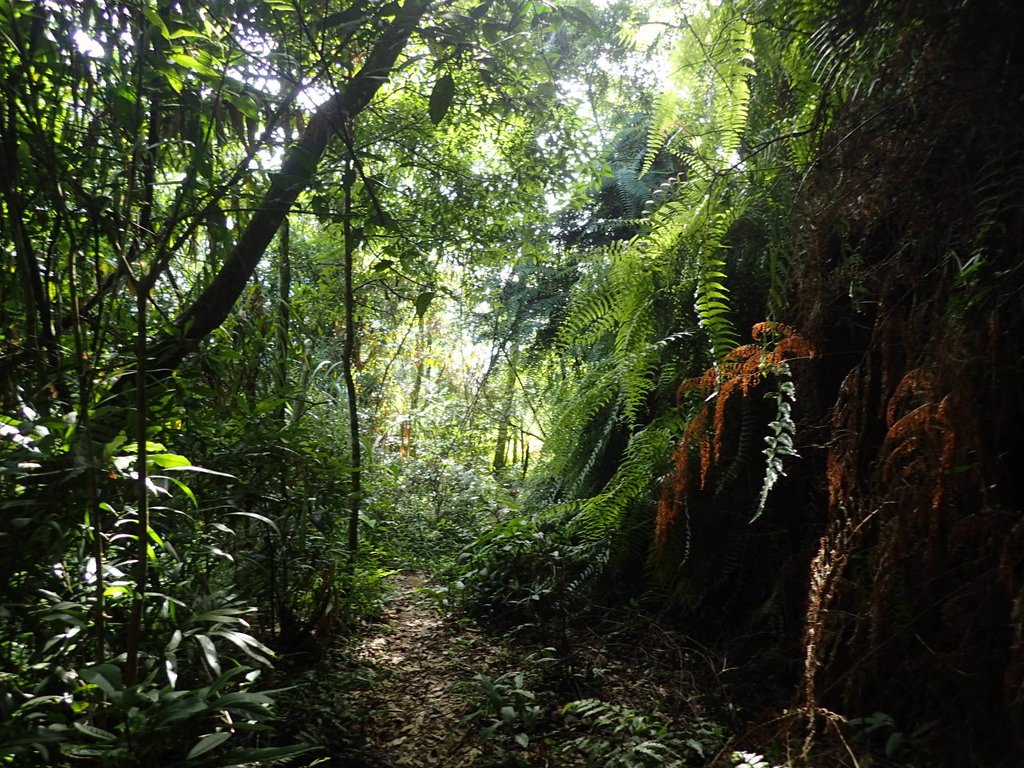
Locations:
column 214, row 305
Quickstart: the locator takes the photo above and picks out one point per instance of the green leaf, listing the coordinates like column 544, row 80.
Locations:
column 171, row 667
column 348, row 20
column 247, row 643
column 244, row 700
column 193, row 64
column 106, row 677
column 245, row 104
column 96, row 733
column 183, row 33
column 174, row 81
column 203, row 470
column 151, row 448
column 441, row 98
column 208, row 742
column 182, row 487
column 209, row 652
column 112, row 447
column 168, row 460
column 580, row 19
column 256, row 516
column 153, row 17
column 155, row 537
column 423, row 302
column 261, row 755
column 182, row 709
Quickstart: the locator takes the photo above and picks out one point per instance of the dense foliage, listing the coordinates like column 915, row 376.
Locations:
column 708, row 310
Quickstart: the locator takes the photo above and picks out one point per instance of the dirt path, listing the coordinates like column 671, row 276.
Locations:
column 424, row 660
column 643, row 686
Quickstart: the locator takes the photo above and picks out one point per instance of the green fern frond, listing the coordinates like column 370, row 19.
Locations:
column 591, row 317
column 586, row 470
column 582, row 404
column 631, row 191
column 645, row 459
column 639, row 380
column 662, row 127
column 780, row 443
column 641, row 298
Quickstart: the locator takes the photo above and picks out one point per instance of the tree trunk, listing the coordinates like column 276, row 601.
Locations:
column 501, row 443
column 297, row 172
column 284, row 314
column 348, row 361
column 406, row 438
column 39, row 336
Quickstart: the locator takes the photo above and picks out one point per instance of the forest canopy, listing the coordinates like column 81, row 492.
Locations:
column 702, row 312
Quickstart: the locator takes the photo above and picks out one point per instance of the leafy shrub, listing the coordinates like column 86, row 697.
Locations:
column 621, row 737
column 99, row 717
column 750, row 760
column 424, row 509
column 510, row 707
column 524, row 570
column 65, row 693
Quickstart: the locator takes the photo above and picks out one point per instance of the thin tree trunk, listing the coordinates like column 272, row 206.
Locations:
column 417, row 385
column 38, row 328
column 348, row 359
column 40, row 341
column 93, row 514
column 142, row 494
column 144, row 162
column 501, row 443
column 284, row 289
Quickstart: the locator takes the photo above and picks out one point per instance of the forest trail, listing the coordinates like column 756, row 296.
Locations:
column 431, row 669
column 423, row 658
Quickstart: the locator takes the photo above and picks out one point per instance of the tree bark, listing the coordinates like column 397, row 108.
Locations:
column 283, row 319
column 297, row 172
column 501, row 443
column 405, row 436
column 355, row 445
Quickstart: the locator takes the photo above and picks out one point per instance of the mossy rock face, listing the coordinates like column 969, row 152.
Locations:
column 904, row 237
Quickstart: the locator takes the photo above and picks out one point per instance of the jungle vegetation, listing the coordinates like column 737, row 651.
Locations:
column 708, row 311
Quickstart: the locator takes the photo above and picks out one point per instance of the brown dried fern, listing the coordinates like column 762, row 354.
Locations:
column 740, row 372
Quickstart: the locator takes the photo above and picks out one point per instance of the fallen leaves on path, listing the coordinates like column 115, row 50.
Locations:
column 423, row 658
column 420, row 687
